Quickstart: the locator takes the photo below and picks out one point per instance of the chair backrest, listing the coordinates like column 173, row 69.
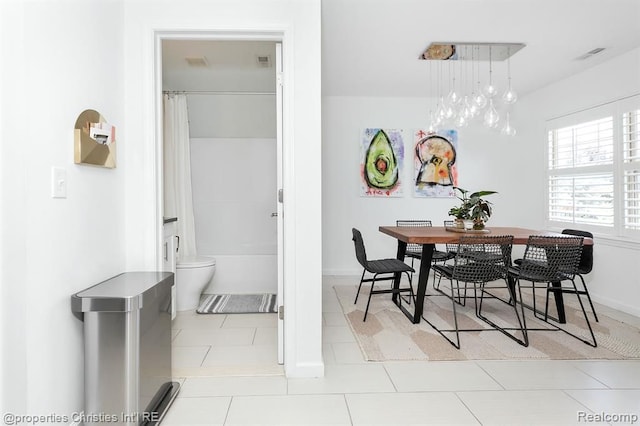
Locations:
column 586, row 260
column 551, row 258
column 413, row 247
column 482, row 258
column 361, row 253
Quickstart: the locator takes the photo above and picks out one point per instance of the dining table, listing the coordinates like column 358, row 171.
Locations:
column 429, row 236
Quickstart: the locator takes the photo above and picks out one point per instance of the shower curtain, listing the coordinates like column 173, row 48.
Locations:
column 178, row 201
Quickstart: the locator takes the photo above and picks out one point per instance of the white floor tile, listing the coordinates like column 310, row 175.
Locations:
column 615, row 374
column 219, row 337
column 331, row 305
column 197, row 411
column 266, row 336
column 233, row 386
column 250, row 320
column 338, row 334
column 551, row 407
column 539, row 375
column 188, row 356
column 201, row 322
column 344, row 379
column 327, row 354
column 174, row 333
column 289, row 410
column 347, row 353
column 439, row 376
column 335, row 319
column 241, row 355
column 610, row 401
column 431, row 408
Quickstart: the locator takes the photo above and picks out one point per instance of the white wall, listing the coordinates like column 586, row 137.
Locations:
column 614, row 280
column 299, row 23
column 233, row 182
column 232, row 116
column 485, row 162
column 56, row 63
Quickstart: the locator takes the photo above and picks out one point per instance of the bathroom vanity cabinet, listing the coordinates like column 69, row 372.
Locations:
column 170, row 253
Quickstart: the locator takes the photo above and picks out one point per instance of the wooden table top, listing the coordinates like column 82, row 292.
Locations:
column 438, row 234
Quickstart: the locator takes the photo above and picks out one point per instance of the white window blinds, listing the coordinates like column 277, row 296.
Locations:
column 594, row 169
column 631, row 167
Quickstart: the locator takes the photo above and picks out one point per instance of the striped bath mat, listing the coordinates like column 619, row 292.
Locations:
column 237, row 303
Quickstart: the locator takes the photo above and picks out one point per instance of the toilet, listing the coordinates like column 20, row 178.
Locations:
column 192, row 276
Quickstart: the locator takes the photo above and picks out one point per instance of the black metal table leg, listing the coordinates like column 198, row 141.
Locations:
column 423, row 278
column 559, row 298
column 402, row 249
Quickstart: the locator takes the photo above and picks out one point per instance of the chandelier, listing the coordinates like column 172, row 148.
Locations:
column 459, row 69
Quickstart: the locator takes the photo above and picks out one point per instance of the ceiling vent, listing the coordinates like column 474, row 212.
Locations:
column 197, row 62
column 590, row 53
column 263, row 61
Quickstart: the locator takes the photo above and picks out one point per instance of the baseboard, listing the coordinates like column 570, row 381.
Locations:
column 631, row 310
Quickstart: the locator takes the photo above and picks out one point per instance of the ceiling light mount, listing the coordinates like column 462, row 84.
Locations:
column 461, row 51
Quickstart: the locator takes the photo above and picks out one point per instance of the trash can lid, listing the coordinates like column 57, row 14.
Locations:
column 122, row 293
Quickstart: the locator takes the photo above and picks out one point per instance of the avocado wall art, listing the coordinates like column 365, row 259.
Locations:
column 381, row 160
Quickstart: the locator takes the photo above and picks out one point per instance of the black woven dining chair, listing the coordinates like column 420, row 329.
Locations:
column 586, row 263
column 482, row 261
column 414, row 251
column 548, row 260
column 382, row 270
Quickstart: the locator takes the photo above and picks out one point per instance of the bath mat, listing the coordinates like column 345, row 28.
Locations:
column 237, row 303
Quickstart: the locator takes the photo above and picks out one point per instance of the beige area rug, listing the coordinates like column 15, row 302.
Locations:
column 389, row 335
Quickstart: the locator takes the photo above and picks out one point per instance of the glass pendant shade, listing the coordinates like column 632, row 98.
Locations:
column 479, row 99
column 453, row 97
column 507, row 129
column 490, row 90
column 491, row 117
column 449, row 112
column 510, row 96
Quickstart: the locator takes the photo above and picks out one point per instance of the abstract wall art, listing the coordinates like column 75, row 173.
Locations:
column 435, row 163
column 381, row 162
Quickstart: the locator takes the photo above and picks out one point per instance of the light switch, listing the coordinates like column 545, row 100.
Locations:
column 58, row 182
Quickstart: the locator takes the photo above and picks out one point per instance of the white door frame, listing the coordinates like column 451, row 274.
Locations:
column 278, row 38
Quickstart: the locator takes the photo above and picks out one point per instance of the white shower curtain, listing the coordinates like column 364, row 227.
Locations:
column 178, row 201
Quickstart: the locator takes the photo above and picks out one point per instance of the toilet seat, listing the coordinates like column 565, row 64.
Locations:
column 196, row 262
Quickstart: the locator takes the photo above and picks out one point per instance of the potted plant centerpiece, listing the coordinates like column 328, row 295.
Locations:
column 472, row 208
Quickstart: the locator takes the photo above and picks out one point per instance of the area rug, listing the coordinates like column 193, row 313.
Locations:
column 237, row 303
column 388, row 335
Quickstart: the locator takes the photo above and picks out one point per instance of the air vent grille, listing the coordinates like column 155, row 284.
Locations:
column 590, row 53
column 263, row 61
column 199, row 61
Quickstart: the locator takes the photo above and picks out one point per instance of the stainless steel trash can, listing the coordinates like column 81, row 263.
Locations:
column 127, row 348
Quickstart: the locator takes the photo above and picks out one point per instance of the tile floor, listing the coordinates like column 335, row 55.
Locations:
column 228, row 367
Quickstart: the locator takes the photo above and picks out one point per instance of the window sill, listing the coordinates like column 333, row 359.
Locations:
column 608, row 240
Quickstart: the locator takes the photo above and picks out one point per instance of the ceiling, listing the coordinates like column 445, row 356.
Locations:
column 371, row 47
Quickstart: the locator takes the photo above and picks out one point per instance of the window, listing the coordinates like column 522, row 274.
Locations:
column 631, row 167
column 594, row 169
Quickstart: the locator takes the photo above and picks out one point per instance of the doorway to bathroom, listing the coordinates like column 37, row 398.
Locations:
column 233, row 93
